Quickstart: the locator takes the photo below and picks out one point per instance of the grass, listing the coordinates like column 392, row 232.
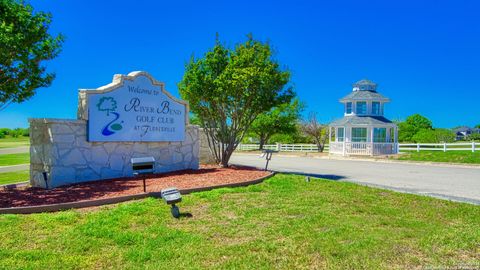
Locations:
column 9, row 142
column 14, row 159
column 14, row 177
column 440, row 156
column 283, row 223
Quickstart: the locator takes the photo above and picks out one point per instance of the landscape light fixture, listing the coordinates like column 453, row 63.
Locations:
column 143, row 166
column 172, row 196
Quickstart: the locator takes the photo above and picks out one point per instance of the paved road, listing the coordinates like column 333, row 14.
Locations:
column 14, row 150
column 446, row 182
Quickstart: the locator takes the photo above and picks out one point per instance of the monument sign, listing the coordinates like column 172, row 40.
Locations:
column 139, row 110
column 132, row 117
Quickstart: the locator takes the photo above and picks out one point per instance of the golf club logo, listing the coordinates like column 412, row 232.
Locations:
column 109, row 105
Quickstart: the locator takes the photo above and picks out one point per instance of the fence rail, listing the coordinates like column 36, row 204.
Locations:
column 473, row 146
column 282, row 147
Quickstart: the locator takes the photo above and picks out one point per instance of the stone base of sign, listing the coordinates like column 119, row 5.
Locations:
column 60, row 148
column 206, row 156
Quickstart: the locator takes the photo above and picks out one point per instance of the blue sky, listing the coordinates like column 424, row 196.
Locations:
column 424, row 55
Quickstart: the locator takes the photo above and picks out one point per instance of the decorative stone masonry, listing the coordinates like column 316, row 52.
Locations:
column 206, row 156
column 60, row 148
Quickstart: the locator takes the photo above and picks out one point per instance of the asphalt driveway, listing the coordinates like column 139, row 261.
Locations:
column 446, row 182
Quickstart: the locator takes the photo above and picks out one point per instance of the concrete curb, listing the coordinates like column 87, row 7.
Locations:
column 428, row 163
column 99, row 202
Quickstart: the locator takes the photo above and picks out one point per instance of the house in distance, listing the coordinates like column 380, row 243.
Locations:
column 364, row 130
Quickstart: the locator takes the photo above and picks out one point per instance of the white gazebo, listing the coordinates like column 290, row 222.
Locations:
column 363, row 130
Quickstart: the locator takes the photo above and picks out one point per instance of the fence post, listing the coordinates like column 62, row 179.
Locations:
column 444, row 147
column 279, row 147
column 240, row 146
column 418, row 147
column 473, row 146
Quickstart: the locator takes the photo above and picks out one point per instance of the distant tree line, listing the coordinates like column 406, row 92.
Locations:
column 15, row 133
column 417, row 128
column 284, row 124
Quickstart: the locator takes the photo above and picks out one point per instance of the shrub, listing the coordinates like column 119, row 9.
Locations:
column 5, row 131
column 438, row 135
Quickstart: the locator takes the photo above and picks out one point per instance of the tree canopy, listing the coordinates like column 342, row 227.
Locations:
column 281, row 119
column 25, row 43
column 413, row 124
column 228, row 88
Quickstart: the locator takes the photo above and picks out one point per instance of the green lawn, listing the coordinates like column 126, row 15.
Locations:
column 440, row 156
column 14, row 177
column 14, row 159
column 9, row 142
column 284, row 223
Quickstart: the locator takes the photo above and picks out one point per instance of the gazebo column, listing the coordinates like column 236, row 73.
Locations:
column 371, row 140
column 395, row 140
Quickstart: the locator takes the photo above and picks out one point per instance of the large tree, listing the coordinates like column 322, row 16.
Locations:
column 279, row 120
column 24, row 44
column 317, row 131
column 411, row 126
column 228, row 88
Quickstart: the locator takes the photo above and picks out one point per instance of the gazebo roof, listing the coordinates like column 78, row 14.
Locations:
column 365, row 95
column 365, row 82
column 360, row 120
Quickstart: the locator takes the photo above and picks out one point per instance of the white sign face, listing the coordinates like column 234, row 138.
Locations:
column 137, row 111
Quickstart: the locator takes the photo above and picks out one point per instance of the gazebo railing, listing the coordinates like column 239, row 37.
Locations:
column 384, row 148
column 336, row 147
column 362, row 148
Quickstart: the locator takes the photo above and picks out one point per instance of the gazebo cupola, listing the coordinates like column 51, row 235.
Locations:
column 364, row 100
column 363, row 130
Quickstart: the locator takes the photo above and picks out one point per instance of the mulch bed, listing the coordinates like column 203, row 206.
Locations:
column 206, row 176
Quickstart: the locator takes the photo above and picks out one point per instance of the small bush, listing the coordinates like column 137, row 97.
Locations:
column 474, row 137
column 26, row 132
column 5, row 131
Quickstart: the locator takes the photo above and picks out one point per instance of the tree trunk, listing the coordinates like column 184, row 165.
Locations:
column 262, row 143
column 320, row 145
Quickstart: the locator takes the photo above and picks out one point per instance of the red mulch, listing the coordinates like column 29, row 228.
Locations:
column 204, row 177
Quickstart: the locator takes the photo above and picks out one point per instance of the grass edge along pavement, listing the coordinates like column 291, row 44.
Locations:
column 283, row 223
column 449, row 157
column 14, row 177
column 458, row 157
column 14, row 159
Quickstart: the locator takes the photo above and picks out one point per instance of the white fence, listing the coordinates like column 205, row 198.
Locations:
column 473, row 146
column 402, row 146
column 282, row 147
